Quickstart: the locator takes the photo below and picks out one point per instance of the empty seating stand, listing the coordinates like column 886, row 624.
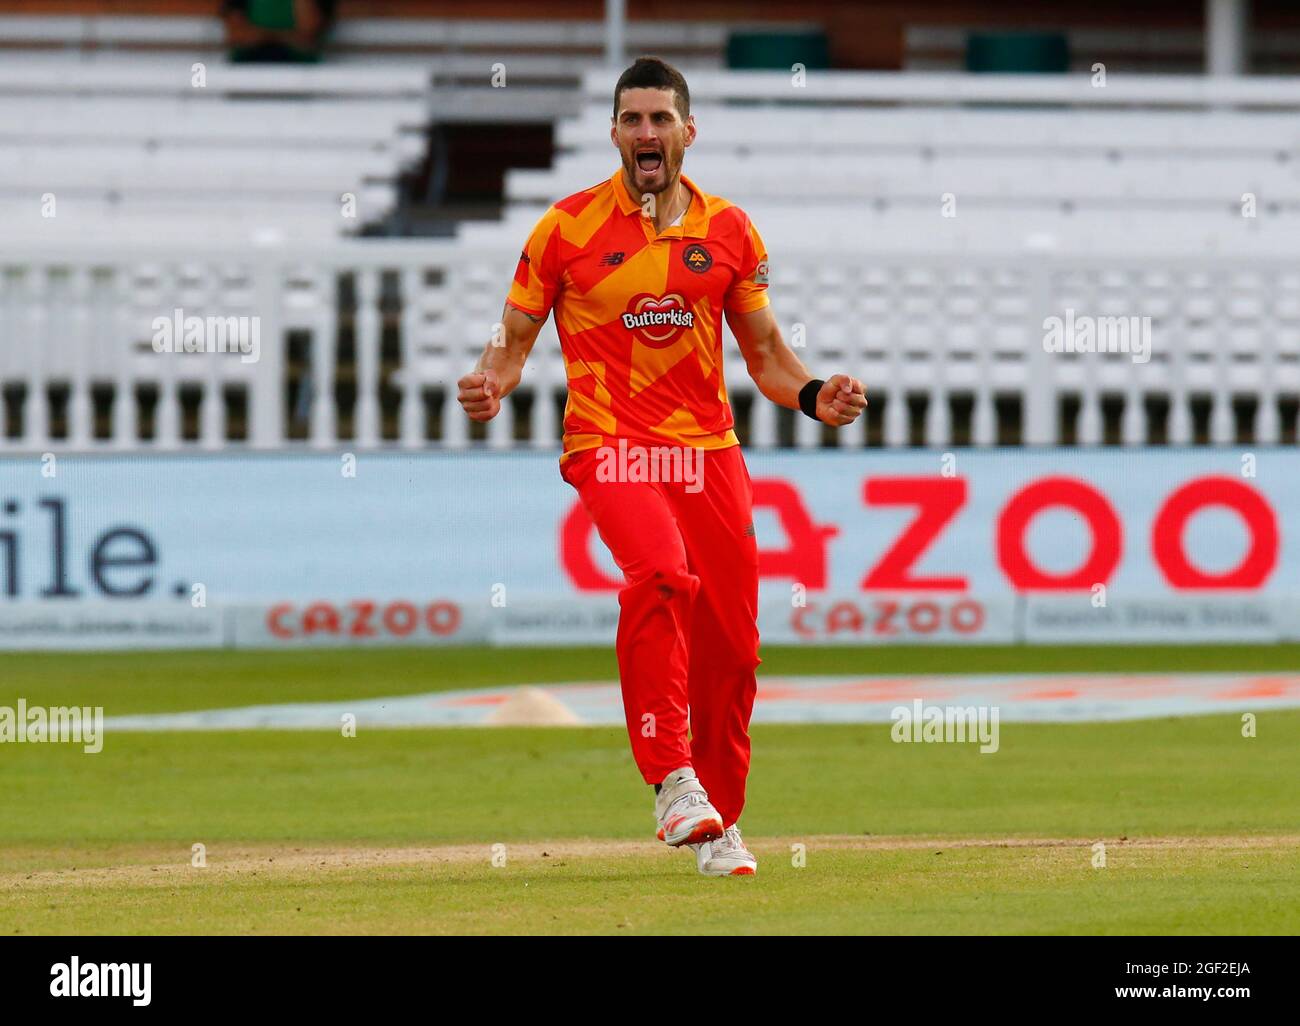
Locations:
column 921, row 227
column 139, row 146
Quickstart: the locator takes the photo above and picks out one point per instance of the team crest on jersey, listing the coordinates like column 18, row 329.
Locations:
column 697, row 258
column 657, row 321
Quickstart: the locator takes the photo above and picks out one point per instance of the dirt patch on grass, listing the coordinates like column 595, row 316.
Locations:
column 137, row 866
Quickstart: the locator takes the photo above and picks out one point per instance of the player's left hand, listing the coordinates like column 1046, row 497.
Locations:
column 841, row 400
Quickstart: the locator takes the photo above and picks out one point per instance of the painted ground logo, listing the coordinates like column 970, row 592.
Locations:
column 658, row 320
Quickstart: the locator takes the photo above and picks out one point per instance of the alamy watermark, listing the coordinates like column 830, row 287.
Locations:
column 938, row 724
column 190, row 334
column 651, row 464
column 1085, row 334
column 74, row 978
column 24, row 724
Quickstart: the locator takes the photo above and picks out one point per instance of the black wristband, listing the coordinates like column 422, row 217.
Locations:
column 808, row 397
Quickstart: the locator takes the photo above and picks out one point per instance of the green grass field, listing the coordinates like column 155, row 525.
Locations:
column 393, row 831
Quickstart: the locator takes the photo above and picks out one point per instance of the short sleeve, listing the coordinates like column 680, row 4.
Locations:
column 537, row 275
column 749, row 291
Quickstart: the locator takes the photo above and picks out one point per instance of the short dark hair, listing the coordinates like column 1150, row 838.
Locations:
column 653, row 73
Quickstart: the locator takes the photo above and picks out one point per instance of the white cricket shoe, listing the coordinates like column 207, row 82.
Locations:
column 727, row 856
column 683, row 810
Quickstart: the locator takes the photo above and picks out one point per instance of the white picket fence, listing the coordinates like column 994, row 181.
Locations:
column 401, row 321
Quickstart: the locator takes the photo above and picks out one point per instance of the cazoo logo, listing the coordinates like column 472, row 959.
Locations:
column 939, row 502
column 658, row 320
column 363, row 618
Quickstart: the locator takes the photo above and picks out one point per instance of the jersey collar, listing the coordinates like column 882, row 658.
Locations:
column 694, row 226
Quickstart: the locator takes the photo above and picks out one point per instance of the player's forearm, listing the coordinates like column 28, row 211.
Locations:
column 507, row 361
column 512, row 341
column 779, row 373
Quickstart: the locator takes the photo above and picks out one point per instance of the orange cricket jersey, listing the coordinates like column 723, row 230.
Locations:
column 639, row 314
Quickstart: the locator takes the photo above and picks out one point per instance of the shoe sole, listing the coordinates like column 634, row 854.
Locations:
column 704, row 830
column 738, row 871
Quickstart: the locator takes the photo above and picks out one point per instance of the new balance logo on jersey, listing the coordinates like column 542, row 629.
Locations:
column 612, row 259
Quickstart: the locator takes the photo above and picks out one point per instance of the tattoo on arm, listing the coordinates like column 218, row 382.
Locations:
column 532, row 317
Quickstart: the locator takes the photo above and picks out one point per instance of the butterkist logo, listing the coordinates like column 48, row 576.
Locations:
column 658, row 320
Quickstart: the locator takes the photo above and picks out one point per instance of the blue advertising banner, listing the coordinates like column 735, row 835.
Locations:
column 431, row 547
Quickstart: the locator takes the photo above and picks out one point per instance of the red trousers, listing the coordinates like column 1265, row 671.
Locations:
column 687, row 630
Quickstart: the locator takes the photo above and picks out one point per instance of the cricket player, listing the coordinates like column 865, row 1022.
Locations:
column 639, row 271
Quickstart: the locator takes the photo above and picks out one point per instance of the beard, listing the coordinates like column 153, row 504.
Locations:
column 657, row 181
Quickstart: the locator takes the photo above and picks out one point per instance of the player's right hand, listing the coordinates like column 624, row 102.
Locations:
column 480, row 394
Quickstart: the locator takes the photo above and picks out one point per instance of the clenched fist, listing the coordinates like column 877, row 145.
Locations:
column 841, row 400
column 480, row 394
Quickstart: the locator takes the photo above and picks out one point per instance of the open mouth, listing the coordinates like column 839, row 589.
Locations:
column 649, row 161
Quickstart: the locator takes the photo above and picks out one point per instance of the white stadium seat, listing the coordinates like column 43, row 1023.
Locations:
column 921, row 227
